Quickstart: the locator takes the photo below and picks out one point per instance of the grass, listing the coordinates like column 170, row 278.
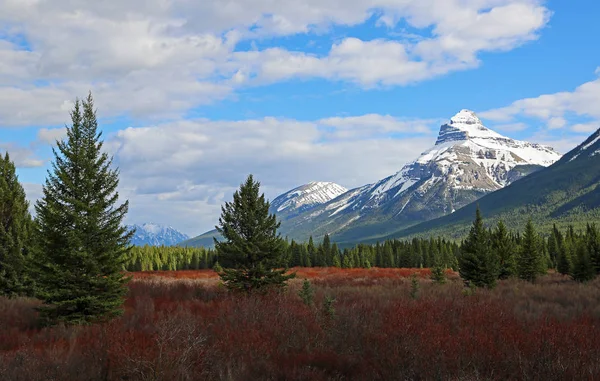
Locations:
column 185, row 326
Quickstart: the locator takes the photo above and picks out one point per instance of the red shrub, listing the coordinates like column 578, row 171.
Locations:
column 188, row 329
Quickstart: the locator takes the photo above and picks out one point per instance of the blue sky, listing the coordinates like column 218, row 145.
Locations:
column 193, row 96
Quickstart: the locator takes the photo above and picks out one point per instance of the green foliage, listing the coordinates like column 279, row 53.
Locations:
column 438, row 274
column 169, row 258
column 81, row 243
column 307, row 293
column 478, row 263
column 583, row 269
column 217, row 267
column 504, row 250
column 329, row 307
column 530, row 262
column 15, row 229
column 414, row 286
column 252, row 252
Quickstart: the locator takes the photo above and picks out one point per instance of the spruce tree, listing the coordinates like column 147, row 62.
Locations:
column 593, row 242
column 81, row 243
column 564, row 262
column 554, row 244
column 477, row 263
column 252, row 250
column 15, row 229
column 504, row 250
column 583, row 269
column 530, row 262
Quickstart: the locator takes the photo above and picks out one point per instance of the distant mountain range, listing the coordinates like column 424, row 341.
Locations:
column 467, row 162
column 156, row 235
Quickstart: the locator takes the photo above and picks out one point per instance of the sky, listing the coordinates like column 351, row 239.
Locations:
column 192, row 96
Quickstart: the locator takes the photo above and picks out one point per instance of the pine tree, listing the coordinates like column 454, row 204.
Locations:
column 252, row 251
column 564, row 263
column 583, row 269
column 15, row 229
column 593, row 242
column 530, row 262
column 477, row 263
column 504, row 250
column 554, row 245
column 81, row 243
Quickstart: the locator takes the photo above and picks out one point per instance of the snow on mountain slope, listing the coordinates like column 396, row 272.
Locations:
column 467, row 161
column 306, row 196
column 156, row 235
column 468, row 155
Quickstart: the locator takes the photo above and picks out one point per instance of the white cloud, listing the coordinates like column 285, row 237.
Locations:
column 21, row 156
column 193, row 166
column 51, row 135
column 556, row 122
column 160, row 58
column 586, row 127
column 555, row 109
column 510, row 127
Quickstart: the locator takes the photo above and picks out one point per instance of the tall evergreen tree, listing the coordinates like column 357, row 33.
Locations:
column 477, row 263
column 554, row 245
column 252, row 251
column 593, row 242
column 81, row 242
column 564, row 262
column 530, row 262
column 15, row 229
column 504, row 250
column 583, row 269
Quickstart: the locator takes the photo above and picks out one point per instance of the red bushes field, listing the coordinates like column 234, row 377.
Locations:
column 184, row 326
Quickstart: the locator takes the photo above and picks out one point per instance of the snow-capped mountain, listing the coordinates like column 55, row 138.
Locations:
column 467, row 161
column 306, row 197
column 156, row 235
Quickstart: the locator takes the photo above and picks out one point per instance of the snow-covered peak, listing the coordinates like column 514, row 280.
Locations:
column 307, row 196
column 465, row 116
column 464, row 126
column 466, row 155
column 156, row 235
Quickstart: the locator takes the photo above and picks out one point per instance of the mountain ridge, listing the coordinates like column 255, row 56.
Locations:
column 156, row 235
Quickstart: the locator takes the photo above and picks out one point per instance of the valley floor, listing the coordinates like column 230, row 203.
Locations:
column 363, row 324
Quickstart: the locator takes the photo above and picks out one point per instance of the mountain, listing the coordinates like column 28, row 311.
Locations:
column 286, row 206
column 306, row 197
column 567, row 192
column 467, row 162
column 156, row 235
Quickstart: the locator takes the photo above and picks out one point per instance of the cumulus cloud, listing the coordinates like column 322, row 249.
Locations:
column 23, row 157
column 557, row 109
column 510, row 127
column 51, row 135
column 193, row 166
column 157, row 59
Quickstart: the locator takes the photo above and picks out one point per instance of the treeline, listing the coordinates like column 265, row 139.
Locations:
column 483, row 257
column 415, row 253
column 169, row 258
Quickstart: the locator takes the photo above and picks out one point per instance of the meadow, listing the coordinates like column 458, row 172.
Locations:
column 363, row 324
